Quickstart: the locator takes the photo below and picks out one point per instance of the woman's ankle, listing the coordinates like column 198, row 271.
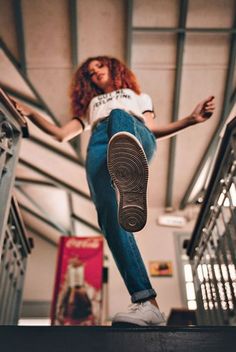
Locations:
column 154, row 302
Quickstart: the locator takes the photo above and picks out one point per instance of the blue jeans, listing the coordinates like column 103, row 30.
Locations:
column 121, row 243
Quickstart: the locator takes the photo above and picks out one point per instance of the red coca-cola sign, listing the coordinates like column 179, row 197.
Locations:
column 77, row 293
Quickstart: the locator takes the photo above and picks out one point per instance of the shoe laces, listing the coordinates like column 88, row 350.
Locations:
column 135, row 306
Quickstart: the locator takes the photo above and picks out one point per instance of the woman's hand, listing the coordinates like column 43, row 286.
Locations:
column 61, row 133
column 22, row 108
column 203, row 111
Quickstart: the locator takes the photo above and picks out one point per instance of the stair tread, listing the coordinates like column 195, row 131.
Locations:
column 114, row 339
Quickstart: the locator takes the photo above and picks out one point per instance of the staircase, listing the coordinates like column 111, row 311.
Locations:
column 88, row 339
column 212, row 248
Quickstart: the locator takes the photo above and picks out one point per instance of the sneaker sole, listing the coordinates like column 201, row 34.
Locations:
column 128, row 167
column 125, row 325
column 136, row 324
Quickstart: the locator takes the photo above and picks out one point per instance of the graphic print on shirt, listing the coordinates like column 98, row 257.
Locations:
column 125, row 99
column 108, row 97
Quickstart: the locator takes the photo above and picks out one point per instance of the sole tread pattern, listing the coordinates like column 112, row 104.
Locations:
column 128, row 167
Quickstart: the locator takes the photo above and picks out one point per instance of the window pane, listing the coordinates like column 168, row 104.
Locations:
column 188, row 273
column 192, row 305
column 190, row 291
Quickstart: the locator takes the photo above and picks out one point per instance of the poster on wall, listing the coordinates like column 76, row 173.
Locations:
column 160, row 268
column 77, row 295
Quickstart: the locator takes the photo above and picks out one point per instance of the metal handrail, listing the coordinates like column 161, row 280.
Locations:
column 210, row 193
column 15, row 246
column 212, row 247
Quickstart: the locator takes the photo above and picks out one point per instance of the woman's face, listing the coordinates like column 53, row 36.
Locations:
column 100, row 75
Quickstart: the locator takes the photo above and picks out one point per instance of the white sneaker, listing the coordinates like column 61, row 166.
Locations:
column 128, row 167
column 143, row 314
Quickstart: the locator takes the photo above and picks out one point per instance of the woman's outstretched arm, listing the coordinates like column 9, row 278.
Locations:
column 202, row 112
column 60, row 133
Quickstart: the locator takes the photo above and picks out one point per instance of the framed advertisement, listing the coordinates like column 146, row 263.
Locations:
column 77, row 295
column 160, row 268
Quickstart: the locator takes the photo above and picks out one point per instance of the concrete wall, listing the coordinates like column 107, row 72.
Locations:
column 155, row 243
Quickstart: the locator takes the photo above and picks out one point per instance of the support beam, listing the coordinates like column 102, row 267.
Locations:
column 72, row 215
column 129, row 24
column 233, row 98
column 175, row 111
column 72, row 4
column 20, row 96
column 79, row 219
column 44, row 219
column 64, row 155
column 228, row 91
column 73, row 32
column 19, row 26
column 29, row 181
column 71, row 209
column 17, row 65
column 40, row 235
column 54, row 179
column 180, row 29
column 42, row 211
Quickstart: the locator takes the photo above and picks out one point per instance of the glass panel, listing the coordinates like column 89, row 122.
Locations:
column 190, row 291
column 192, row 305
column 188, row 273
column 200, row 274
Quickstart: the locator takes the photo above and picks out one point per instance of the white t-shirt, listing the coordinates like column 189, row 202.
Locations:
column 125, row 99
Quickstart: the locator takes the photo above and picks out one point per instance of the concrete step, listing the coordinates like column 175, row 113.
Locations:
column 110, row 339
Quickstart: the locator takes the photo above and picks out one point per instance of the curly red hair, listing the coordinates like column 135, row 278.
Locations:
column 83, row 89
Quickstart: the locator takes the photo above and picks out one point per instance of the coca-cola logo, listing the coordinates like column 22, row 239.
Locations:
column 83, row 243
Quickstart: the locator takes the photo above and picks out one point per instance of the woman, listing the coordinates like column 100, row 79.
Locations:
column 105, row 96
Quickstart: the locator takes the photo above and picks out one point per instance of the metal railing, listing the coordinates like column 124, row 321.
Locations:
column 14, row 245
column 212, row 248
column 15, row 250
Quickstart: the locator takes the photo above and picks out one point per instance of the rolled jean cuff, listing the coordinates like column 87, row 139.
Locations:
column 143, row 295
